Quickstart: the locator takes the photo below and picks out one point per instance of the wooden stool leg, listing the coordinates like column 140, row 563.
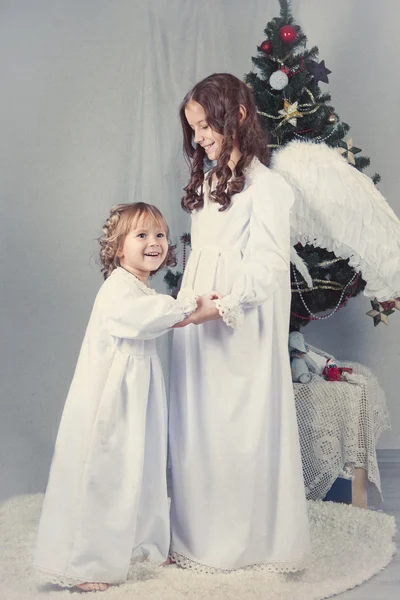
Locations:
column 360, row 488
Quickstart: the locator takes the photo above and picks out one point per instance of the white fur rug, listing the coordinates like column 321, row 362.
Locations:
column 349, row 545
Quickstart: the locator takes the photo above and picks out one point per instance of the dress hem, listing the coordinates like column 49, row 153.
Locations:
column 273, row 567
column 48, row 576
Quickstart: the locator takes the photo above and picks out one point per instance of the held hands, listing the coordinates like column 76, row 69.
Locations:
column 205, row 311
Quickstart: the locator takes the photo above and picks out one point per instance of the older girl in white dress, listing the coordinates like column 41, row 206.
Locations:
column 106, row 499
column 238, row 496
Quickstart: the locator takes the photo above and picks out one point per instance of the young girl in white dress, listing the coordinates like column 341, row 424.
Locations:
column 106, row 499
column 238, row 496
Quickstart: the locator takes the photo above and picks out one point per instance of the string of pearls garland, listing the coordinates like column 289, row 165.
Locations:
column 318, row 138
column 316, row 317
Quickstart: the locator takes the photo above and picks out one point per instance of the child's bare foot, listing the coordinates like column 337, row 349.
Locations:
column 168, row 562
column 93, row 587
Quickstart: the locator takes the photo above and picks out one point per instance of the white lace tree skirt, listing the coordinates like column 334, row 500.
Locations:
column 349, row 546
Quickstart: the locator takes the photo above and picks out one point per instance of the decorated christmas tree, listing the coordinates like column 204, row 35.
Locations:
column 291, row 105
column 286, row 88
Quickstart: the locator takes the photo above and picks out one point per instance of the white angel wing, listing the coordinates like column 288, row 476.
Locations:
column 338, row 208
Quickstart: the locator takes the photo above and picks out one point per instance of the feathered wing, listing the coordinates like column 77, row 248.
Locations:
column 339, row 208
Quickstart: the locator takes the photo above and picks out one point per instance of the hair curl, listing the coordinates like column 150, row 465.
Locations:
column 118, row 225
column 221, row 95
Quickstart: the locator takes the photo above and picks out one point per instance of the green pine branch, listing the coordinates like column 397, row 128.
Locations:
column 171, row 278
column 285, row 11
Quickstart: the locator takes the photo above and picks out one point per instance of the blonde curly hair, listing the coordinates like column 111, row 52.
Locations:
column 118, row 225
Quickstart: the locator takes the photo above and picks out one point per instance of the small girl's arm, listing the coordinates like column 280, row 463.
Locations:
column 146, row 317
column 205, row 311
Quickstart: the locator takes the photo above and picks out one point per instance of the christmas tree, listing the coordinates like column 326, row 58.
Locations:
column 293, row 107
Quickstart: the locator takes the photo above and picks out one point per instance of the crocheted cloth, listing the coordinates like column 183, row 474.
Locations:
column 339, row 427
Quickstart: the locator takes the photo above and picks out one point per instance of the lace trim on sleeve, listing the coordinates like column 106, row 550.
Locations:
column 188, row 299
column 230, row 310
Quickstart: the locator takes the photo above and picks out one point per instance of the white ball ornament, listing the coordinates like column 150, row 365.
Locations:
column 278, row 80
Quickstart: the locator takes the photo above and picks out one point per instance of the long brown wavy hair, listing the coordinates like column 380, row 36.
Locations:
column 221, row 95
column 117, row 227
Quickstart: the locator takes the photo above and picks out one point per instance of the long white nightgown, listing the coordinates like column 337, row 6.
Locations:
column 238, row 495
column 106, row 498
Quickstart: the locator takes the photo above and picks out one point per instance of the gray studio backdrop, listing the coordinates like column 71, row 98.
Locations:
column 88, row 110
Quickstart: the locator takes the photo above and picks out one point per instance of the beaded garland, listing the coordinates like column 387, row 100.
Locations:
column 339, row 305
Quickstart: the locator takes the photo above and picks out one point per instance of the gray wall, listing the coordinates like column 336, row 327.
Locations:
column 88, row 106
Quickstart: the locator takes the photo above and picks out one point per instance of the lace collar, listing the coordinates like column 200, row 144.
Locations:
column 138, row 282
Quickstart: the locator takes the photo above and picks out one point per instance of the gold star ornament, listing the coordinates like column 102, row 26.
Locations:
column 380, row 314
column 347, row 150
column 290, row 113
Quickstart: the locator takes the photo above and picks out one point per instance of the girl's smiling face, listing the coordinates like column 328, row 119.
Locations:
column 203, row 134
column 144, row 249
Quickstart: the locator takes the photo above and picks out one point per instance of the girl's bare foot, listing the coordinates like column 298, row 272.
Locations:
column 168, row 562
column 93, row 587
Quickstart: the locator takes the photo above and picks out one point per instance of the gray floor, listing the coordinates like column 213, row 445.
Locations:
column 385, row 585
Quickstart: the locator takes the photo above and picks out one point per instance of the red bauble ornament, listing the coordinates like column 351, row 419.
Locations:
column 288, row 34
column 266, row 46
column 388, row 304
